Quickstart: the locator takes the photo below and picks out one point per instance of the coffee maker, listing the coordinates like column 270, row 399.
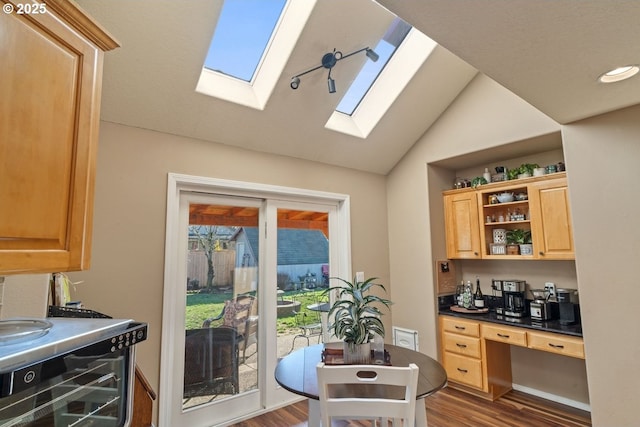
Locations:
column 569, row 308
column 514, row 303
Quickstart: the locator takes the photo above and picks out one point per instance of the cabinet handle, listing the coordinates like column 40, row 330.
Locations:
column 461, row 345
column 464, row 371
column 462, row 328
column 541, row 253
column 558, row 346
column 475, row 253
column 504, row 336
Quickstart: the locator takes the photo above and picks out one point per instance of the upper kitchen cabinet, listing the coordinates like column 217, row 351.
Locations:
column 552, row 232
column 461, row 224
column 478, row 222
column 51, row 57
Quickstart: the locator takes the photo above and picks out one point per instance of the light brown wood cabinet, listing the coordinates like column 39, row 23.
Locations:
column 461, row 352
column 552, row 231
column 51, row 68
column 477, row 355
column 462, row 227
column 471, row 218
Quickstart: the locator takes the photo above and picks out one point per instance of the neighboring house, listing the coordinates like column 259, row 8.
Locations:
column 303, row 255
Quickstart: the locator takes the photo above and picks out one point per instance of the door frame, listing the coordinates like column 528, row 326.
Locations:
column 340, row 261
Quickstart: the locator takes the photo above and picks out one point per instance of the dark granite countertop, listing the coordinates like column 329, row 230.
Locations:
column 553, row 326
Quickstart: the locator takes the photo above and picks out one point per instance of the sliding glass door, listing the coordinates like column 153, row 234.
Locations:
column 243, row 274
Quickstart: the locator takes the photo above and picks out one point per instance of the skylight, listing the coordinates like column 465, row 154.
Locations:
column 390, row 42
column 253, row 86
column 242, row 35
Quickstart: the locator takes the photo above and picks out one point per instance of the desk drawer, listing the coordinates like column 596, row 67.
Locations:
column 554, row 343
column 460, row 344
column 505, row 334
column 464, row 370
column 459, row 326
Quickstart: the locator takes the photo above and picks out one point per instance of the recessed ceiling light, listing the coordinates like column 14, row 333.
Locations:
column 620, row 73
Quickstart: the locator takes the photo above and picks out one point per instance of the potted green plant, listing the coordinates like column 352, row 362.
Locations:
column 356, row 316
column 516, row 239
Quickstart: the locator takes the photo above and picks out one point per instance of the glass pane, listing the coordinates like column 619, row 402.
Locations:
column 303, row 274
column 221, row 317
column 241, row 36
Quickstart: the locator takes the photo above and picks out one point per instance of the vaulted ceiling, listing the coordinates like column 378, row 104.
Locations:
column 549, row 52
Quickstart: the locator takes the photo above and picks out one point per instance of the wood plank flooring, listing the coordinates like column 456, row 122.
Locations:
column 453, row 408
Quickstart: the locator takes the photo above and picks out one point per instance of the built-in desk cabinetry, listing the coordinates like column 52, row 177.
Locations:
column 51, row 69
column 471, row 216
column 477, row 355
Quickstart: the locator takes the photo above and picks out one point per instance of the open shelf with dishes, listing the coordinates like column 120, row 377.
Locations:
column 504, row 214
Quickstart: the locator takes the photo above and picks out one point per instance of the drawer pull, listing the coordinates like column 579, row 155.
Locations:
column 462, row 328
column 504, row 336
column 461, row 345
column 559, row 346
column 464, row 371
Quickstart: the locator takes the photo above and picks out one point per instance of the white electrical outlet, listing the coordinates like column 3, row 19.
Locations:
column 360, row 276
column 550, row 287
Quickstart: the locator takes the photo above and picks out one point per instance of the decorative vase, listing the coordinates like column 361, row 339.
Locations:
column 357, row 354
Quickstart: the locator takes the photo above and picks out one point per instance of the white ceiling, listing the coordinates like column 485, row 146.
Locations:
column 548, row 52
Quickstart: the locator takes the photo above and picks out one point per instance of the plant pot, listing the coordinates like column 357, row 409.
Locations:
column 524, row 175
column 357, row 354
column 513, row 249
column 526, row 249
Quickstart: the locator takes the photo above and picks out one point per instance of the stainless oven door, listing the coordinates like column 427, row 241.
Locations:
column 82, row 388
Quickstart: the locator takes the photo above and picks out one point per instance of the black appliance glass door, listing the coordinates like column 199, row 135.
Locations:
column 82, row 388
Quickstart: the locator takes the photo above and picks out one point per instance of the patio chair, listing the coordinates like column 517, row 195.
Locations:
column 210, row 362
column 239, row 313
column 310, row 326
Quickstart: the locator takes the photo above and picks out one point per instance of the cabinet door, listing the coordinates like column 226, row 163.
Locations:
column 462, row 225
column 49, row 116
column 551, row 226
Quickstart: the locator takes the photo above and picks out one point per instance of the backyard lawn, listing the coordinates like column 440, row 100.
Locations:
column 201, row 306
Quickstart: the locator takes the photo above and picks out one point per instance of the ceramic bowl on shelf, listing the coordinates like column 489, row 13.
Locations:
column 521, row 196
column 505, row 197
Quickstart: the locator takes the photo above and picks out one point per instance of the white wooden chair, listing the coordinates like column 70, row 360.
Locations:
column 340, row 398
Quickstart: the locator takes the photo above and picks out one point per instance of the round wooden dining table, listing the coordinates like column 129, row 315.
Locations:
column 296, row 373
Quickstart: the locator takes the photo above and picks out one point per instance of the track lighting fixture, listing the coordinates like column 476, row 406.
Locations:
column 329, row 60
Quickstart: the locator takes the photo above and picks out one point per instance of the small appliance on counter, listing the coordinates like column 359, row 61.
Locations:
column 514, row 303
column 569, row 308
column 540, row 308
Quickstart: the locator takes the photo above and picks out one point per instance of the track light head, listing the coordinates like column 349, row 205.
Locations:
column 295, row 82
column 372, row 55
column 332, row 85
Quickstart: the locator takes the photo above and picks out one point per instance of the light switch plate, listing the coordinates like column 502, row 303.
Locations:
column 360, row 276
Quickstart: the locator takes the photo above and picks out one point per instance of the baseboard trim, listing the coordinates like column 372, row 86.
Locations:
column 555, row 398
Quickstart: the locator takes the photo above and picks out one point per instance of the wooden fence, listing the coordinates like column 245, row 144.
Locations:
column 223, row 266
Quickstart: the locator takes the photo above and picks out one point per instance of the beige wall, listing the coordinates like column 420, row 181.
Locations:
column 603, row 155
column 485, row 118
column 126, row 275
